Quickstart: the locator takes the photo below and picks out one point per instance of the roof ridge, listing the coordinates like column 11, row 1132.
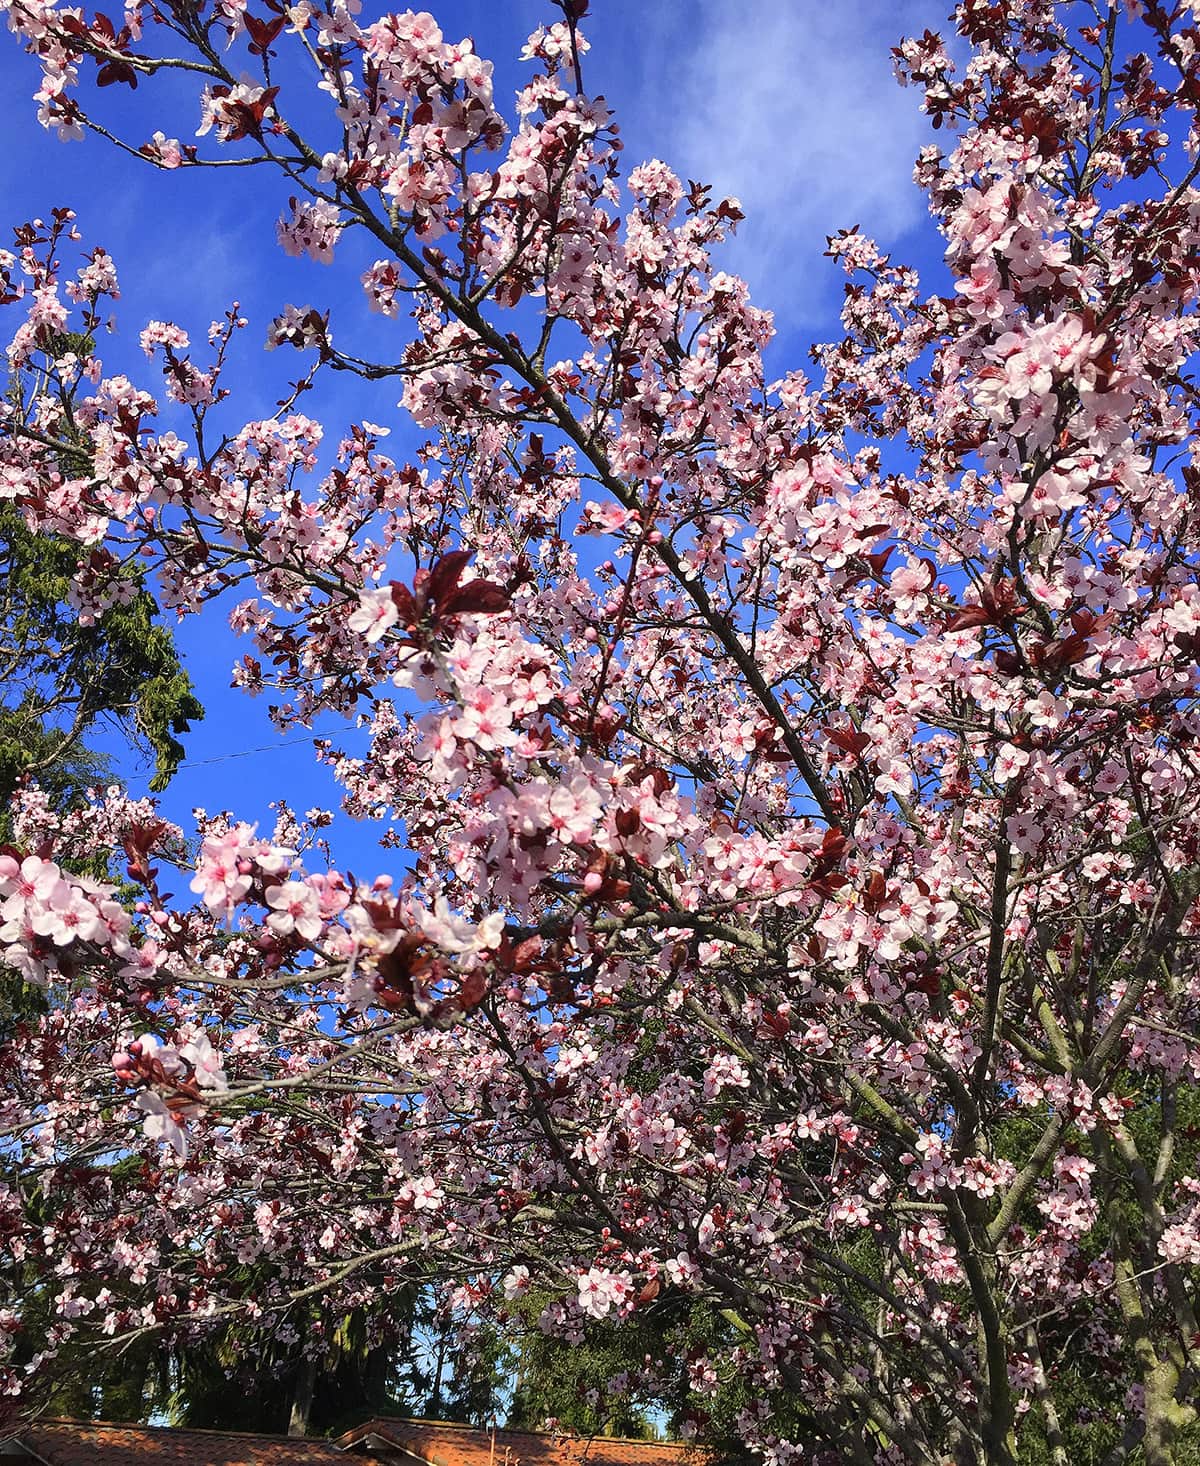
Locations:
column 624, row 1440
column 460, row 1425
column 256, row 1435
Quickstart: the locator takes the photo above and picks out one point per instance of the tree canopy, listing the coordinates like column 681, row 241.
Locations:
column 791, row 951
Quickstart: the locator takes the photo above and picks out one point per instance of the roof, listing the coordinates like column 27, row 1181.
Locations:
column 441, row 1444
column 406, row 1442
column 93, row 1443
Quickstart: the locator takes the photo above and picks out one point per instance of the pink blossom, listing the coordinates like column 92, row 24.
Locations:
column 601, row 1290
column 161, row 1123
column 295, row 907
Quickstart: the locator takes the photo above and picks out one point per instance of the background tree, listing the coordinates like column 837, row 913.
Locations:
column 60, row 677
column 61, row 674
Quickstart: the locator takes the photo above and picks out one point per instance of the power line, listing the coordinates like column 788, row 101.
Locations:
column 220, row 758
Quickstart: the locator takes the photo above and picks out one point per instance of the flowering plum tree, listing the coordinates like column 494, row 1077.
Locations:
column 796, row 778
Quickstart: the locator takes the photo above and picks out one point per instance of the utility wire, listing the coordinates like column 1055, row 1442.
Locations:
column 220, row 758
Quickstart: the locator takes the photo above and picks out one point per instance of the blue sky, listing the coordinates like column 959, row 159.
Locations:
column 788, row 104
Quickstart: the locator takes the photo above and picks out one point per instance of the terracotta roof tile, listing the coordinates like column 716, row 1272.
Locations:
column 461, row 1445
column 93, row 1443
column 89, row 1443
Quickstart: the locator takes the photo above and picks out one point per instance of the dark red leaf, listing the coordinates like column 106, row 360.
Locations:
column 116, row 71
column 477, row 597
column 878, row 559
column 446, row 574
column 927, row 982
column 969, row 616
column 263, row 32
column 628, row 822
column 473, row 990
column 402, row 599
column 1059, row 654
column 849, row 740
column 875, row 892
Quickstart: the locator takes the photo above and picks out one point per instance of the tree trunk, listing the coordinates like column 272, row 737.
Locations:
column 302, row 1398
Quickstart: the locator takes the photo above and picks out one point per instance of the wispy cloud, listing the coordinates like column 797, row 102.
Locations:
column 791, row 106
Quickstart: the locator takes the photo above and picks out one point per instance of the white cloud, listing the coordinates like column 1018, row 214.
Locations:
column 791, row 106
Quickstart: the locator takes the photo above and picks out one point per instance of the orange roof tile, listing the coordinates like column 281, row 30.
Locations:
column 441, row 1444
column 92, row 1443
